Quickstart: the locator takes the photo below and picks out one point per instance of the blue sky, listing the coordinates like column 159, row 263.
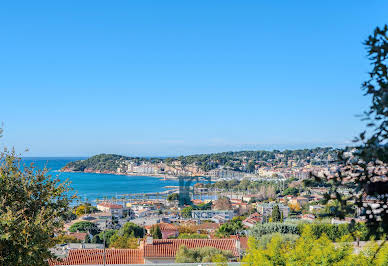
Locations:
column 178, row 77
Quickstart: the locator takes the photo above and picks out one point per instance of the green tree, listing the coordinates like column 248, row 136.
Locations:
column 87, row 239
column 131, row 229
column 231, row 227
column 84, row 226
column 118, row 241
column 205, row 254
column 193, row 236
column 156, row 232
column 291, row 191
column 363, row 170
column 186, row 212
column 173, row 197
column 306, row 250
column 33, row 206
column 276, row 215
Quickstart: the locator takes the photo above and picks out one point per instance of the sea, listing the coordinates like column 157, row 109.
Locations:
column 89, row 186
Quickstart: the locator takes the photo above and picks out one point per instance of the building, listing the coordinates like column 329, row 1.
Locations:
column 210, row 214
column 299, row 201
column 114, row 209
column 252, row 220
column 164, row 250
column 168, row 230
column 265, row 209
column 152, row 251
column 96, row 256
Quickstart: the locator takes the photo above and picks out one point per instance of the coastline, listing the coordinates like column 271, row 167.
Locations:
column 160, row 176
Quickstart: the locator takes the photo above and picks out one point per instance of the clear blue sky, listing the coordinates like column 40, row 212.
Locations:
column 179, row 77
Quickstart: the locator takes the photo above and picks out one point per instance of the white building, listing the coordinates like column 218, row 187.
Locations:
column 114, row 209
column 265, row 209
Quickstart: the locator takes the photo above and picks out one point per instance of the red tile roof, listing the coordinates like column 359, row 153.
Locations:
column 95, row 256
column 243, row 241
column 162, row 248
column 110, row 205
column 79, row 236
column 208, row 226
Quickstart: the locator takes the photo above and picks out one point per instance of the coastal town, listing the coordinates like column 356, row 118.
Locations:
column 213, row 216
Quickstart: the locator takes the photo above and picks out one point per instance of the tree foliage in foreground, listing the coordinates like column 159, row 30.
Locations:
column 332, row 231
column 364, row 170
column 33, row 206
column 205, row 254
column 309, row 250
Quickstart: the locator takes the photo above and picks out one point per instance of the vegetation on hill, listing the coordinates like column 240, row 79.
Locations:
column 244, row 161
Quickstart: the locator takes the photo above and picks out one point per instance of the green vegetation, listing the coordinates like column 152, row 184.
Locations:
column 64, row 239
column 84, row 208
column 126, row 237
column 193, row 236
column 363, row 167
column 173, row 197
column 117, row 241
column 205, row 254
column 33, row 205
column 332, row 231
column 264, row 240
column 131, row 229
column 156, row 232
column 231, row 227
column 99, row 238
column 311, row 250
column 277, row 216
column 243, row 161
column 84, row 226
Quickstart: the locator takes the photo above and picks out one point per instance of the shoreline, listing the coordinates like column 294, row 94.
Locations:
column 160, row 176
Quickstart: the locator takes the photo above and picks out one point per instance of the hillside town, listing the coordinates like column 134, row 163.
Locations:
column 217, row 220
column 232, row 165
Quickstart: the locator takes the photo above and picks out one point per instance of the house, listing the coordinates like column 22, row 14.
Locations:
column 114, row 209
column 168, row 230
column 152, row 251
column 252, row 220
column 308, row 217
column 96, row 256
column 299, row 201
column 265, row 209
column 79, row 236
column 208, row 228
column 164, row 250
column 315, row 208
column 248, row 198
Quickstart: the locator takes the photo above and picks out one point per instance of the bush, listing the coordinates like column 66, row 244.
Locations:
column 118, row 241
column 131, row 229
column 192, row 236
column 84, row 226
column 64, row 239
column 205, row 254
column 263, row 241
column 269, row 228
column 332, row 231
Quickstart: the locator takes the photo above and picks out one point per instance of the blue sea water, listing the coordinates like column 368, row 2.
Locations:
column 89, row 186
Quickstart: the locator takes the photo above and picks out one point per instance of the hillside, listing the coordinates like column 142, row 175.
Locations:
column 241, row 161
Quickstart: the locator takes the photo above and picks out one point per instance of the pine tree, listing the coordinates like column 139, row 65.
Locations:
column 156, row 232
column 276, row 215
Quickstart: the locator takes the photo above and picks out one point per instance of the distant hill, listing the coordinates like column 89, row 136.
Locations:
column 241, row 161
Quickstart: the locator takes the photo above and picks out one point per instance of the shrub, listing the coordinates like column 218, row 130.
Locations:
column 84, row 226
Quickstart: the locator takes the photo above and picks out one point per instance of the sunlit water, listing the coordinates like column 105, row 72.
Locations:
column 89, row 186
